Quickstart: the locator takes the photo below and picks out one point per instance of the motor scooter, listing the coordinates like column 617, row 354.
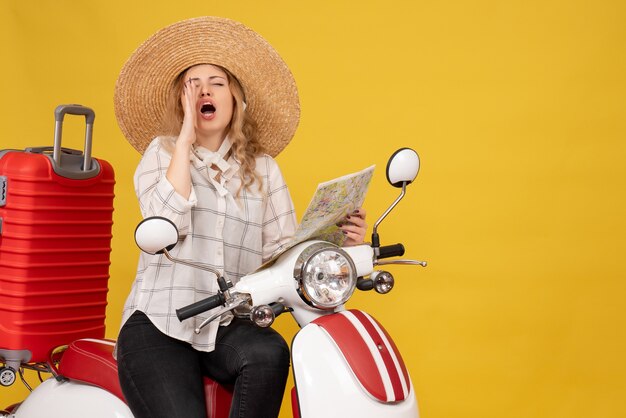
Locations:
column 344, row 363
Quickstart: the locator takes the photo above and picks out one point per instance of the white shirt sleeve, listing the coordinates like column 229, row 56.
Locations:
column 279, row 218
column 156, row 194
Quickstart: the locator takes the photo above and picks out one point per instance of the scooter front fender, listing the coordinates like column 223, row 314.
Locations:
column 331, row 381
column 71, row 399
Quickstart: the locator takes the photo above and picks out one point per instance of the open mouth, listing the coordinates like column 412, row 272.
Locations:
column 207, row 109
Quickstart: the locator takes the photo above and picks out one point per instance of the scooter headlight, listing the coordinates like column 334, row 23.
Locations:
column 326, row 275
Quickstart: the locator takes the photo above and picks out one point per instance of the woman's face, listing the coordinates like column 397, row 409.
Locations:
column 214, row 101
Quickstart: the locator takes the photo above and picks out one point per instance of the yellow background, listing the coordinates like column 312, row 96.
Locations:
column 517, row 109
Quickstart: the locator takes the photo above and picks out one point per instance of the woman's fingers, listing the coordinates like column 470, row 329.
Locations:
column 360, row 212
column 188, row 130
column 354, row 227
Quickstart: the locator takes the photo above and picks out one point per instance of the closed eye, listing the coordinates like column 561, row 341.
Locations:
column 216, row 80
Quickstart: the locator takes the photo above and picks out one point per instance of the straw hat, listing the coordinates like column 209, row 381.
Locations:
column 269, row 87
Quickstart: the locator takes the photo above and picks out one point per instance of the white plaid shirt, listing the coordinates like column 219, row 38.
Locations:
column 232, row 234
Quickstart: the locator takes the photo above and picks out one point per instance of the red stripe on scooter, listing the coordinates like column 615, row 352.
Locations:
column 396, row 383
column 356, row 352
column 397, row 352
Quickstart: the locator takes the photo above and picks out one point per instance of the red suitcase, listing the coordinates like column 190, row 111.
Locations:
column 56, row 210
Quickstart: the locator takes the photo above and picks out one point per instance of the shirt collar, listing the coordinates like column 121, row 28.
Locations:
column 211, row 159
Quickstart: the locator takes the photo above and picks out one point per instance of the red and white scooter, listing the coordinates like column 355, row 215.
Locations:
column 344, row 362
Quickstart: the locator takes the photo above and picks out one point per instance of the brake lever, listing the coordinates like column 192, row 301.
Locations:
column 409, row 262
column 235, row 302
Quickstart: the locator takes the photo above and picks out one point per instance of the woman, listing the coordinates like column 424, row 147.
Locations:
column 220, row 103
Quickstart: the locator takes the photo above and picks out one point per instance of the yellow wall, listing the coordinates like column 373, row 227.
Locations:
column 517, row 109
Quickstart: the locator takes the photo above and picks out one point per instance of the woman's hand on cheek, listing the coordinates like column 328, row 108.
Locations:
column 354, row 227
column 187, row 98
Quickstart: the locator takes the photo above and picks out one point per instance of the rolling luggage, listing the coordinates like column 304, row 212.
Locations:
column 56, row 216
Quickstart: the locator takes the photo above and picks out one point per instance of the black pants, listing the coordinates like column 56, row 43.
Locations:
column 162, row 377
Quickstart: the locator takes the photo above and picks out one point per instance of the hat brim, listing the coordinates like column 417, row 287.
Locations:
column 270, row 89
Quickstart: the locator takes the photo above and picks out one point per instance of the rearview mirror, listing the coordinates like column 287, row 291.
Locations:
column 402, row 167
column 155, row 234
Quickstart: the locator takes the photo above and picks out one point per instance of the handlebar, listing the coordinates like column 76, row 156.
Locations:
column 200, row 306
column 387, row 251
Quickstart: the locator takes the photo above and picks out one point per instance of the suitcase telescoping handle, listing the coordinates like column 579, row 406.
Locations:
column 59, row 114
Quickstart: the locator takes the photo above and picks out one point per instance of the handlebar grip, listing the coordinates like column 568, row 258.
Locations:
column 200, row 306
column 395, row 250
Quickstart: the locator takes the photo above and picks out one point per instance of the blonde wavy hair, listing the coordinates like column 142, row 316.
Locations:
column 242, row 131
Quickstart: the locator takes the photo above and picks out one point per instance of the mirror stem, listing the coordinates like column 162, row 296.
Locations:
column 375, row 237
column 194, row 265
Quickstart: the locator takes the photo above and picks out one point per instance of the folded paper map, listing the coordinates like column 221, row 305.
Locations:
column 330, row 204
column 332, row 201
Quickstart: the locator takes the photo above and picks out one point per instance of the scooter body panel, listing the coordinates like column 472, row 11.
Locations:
column 327, row 385
column 71, row 399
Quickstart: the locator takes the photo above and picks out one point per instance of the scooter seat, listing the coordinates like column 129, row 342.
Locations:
column 91, row 361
